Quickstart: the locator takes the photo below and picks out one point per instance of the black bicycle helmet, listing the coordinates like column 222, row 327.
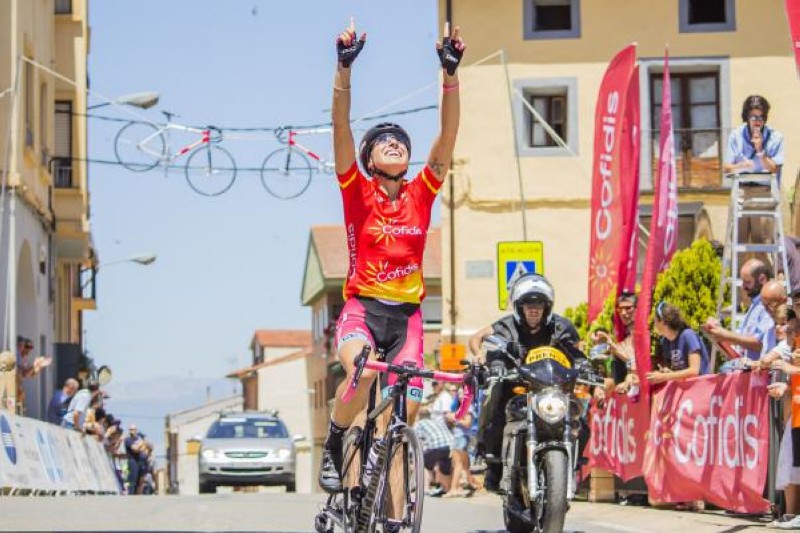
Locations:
column 368, row 141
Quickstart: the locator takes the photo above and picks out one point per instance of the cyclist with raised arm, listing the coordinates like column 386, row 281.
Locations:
column 387, row 219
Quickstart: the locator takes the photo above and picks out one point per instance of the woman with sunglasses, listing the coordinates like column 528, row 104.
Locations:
column 386, row 219
column 683, row 352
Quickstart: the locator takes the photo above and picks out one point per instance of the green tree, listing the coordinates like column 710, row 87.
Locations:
column 605, row 320
column 579, row 315
column 691, row 282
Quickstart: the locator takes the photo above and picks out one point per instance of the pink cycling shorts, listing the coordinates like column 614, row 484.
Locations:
column 396, row 329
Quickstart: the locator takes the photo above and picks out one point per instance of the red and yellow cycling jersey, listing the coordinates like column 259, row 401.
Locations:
column 385, row 238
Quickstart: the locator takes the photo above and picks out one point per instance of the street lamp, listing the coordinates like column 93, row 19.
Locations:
column 142, row 259
column 144, row 100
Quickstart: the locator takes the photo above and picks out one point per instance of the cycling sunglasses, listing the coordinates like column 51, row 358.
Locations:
column 386, row 138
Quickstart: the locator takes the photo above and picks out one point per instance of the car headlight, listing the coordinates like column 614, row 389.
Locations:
column 284, row 453
column 211, row 454
column 551, row 406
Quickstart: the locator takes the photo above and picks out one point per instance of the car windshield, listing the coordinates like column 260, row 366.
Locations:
column 247, row 428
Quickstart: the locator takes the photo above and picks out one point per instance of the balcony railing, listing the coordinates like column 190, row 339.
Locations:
column 62, row 172
column 698, row 157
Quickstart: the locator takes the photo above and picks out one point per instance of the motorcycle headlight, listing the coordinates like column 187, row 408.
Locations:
column 551, row 406
column 283, row 453
column 210, row 454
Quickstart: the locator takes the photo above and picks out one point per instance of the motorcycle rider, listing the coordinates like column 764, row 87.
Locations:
column 531, row 324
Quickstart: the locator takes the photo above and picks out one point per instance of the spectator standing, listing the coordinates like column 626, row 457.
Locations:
column 75, row 416
column 441, row 402
column 60, row 401
column 784, row 358
column 462, row 436
column 684, row 354
column 134, row 446
column 622, row 349
column 437, row 441
column 754, row 335
column 755, row 147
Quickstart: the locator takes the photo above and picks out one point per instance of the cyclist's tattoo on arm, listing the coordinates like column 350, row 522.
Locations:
column 437, row 167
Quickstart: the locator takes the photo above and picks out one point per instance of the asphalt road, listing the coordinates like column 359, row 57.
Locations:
column 293, row 513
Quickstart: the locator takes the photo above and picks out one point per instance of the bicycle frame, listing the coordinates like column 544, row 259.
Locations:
column 205, row 138
column 292, row 143
column 361, row 362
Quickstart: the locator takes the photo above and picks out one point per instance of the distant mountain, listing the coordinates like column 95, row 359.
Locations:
column 146, row 403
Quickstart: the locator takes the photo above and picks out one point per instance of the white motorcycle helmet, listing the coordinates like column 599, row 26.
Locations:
column 532, row 288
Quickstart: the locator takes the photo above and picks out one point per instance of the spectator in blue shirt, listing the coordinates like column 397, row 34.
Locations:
column 60, row 401
column 684, row 354
column 753, row 337
column 754, row 146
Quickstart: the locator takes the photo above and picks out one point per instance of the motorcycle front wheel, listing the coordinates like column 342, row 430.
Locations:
column 551, row 509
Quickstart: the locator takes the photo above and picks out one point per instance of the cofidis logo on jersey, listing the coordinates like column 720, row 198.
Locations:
column 8, row 440
column 383, row 273
column 385, row 230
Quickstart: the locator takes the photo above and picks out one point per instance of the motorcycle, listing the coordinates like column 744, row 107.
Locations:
column 540, row 437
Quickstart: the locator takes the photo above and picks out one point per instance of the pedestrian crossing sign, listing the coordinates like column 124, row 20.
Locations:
column 514, row 259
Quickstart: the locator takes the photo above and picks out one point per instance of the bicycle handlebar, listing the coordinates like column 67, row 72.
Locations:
column 361, row 362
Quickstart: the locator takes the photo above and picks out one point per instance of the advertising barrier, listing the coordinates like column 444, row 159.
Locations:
column 705, row 438
column 38, row 456
column 617, row 442
column 709, row 440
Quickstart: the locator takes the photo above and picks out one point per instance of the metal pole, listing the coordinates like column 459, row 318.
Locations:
column 452, row 218
column 11, row 273
column 9, row 160
column 516, row 145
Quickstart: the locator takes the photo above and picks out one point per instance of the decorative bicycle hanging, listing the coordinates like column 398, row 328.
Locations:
column 210, row 169
column 286, row 172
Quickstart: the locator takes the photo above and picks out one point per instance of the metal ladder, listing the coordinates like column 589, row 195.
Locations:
column 757, row 207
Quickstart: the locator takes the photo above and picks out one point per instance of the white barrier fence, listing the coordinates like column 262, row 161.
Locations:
column 43, row 457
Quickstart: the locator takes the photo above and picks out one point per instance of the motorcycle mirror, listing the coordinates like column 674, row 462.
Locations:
column 494, row 343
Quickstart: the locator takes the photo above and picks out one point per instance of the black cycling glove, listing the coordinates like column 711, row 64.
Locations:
column 450, row 54
column 348, row 54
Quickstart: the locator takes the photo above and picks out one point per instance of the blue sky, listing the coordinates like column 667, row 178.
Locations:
column 231, row 264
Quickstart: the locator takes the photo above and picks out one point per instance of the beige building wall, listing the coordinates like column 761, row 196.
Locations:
column 284, row 387
column 756, row 58
column 50, row 240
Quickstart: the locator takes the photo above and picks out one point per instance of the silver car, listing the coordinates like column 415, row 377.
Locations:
column 247, row 449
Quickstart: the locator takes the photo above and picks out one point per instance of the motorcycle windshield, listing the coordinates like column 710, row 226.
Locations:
column 548, row 373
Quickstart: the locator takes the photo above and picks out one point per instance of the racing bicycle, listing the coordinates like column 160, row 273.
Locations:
column 286, row 172
column 371, row 464
column 210, row 169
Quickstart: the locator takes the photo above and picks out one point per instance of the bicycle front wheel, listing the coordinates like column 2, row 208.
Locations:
column 286, row 173
column 401, row 487
column 139, row 146
column 210, row 170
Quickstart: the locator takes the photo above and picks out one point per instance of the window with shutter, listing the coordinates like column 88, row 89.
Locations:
column 62, row 162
